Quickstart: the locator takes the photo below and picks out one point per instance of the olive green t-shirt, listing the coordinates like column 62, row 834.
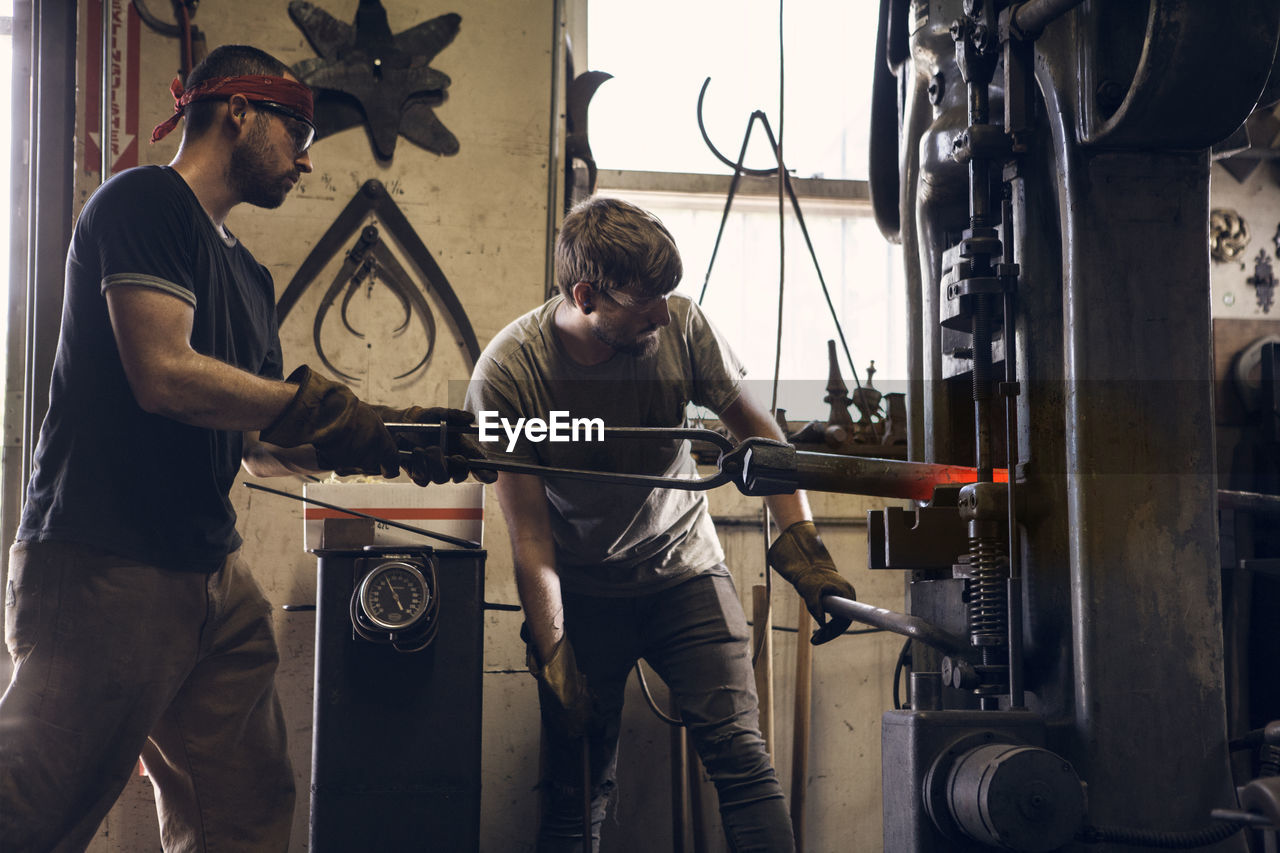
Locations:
column 612, row 539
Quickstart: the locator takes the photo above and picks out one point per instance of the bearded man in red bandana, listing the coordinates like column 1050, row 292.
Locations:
column 134, row 626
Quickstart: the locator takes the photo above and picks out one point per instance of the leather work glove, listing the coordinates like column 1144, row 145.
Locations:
column 429, row 464
column 800, row 557
column 348, row 435
column 562, row 679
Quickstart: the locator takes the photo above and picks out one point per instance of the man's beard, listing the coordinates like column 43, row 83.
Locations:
column 250, row 176
column 607, row 334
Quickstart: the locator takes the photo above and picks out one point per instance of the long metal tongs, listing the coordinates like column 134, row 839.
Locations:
column 724, row 476
column 756, row 466
column 759, row 466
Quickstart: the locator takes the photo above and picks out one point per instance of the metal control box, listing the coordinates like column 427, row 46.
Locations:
column 396, row 736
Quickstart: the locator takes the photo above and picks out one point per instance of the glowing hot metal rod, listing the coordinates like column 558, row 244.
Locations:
column 757, row 466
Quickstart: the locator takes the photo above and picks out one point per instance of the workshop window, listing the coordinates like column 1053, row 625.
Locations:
column 645, row 138
column 6, row 109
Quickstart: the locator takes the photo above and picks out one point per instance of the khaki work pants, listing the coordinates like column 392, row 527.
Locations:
column 115, row 659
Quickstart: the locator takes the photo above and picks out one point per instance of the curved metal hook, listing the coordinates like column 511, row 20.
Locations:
column 400, row 282
column 354, row 287
column 350, row 270
column 370, row 257
column 702, row 128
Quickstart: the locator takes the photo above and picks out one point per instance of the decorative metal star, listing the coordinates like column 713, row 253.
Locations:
column 366, row 74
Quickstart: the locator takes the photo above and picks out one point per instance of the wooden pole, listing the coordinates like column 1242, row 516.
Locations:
column 762, row 639
column 800, row 731
column 701, row 843
column 679, row 786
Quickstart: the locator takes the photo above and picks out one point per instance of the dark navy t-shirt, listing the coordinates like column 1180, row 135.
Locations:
column 107, row 473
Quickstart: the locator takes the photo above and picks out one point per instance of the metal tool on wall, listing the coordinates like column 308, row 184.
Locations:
column 577, row 144
column 1228, row 234
column 370, row 254
column 1263, row 281
column 779, row 170
column 191, row 40
column 367, row 263
column 365, row 74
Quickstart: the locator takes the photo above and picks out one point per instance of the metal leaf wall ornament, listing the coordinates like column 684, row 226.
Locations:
column 366, row 74
column 369, row 262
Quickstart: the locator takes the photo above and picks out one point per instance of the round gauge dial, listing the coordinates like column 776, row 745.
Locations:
column 394, row 596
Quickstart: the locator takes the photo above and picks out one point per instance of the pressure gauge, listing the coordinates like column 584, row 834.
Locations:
column 395, row 596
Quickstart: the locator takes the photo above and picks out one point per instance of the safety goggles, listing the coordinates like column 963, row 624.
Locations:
column 300, row 129
column 633, row 304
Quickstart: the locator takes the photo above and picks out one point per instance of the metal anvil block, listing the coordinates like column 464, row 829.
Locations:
column 926, row 538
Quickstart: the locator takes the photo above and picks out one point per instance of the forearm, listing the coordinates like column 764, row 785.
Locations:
column 788, row 509
column 746, row 420
column 202, row 391
column 524, row 504
column 538, row 586
column 263, row 459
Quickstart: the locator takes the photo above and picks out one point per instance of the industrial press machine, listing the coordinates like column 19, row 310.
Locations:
column 1045, row 166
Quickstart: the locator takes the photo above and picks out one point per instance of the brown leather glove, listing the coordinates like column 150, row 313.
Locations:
column 348, row 435
column 800, row 557
column 429, row 464
column 560, row 677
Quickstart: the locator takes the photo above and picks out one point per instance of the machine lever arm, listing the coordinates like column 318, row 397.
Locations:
column 899, row 623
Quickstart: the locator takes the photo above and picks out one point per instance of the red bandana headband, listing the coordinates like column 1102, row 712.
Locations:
column 255, row 87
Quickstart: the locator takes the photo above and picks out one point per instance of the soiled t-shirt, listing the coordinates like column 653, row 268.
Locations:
column 613, row 539
column 107, row 473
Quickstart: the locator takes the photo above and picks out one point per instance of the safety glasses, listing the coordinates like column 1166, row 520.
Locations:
column 632, row 304
column 300, row 129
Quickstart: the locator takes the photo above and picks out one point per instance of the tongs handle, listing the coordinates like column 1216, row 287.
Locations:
column 443, row 431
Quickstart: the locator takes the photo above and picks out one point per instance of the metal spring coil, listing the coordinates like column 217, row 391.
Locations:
column 988, row 598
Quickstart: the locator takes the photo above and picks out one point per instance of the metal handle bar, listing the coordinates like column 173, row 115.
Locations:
column 899, row 623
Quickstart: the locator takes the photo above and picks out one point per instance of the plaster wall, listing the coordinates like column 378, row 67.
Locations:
column 1257, row 200
column 483, row 215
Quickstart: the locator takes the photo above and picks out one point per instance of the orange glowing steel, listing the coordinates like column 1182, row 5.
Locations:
column 958, row 475
column 890, row 478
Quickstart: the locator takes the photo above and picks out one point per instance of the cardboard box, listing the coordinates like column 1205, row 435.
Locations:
column 453, row 509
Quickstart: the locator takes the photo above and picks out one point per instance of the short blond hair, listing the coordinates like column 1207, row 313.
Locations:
column 614, row 244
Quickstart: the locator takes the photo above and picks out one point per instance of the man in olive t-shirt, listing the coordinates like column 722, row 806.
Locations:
column 608, row 574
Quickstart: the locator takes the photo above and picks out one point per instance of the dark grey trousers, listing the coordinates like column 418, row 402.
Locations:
column 694, row 635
